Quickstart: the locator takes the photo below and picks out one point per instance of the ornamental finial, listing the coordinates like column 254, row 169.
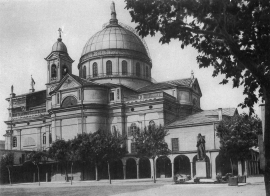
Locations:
column 113, row 15
column 60, row 31
column 192, row 74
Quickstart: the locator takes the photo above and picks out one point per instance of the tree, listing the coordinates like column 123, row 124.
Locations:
column 60, row 152
column 101, row 147
column 74, row 155
column 233, row 36
column 36, row 157
column 150, row 143
column 113, row 148
column 238, row 135
column 7, row 160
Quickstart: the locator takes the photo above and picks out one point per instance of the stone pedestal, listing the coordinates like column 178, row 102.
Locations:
column 201, row 169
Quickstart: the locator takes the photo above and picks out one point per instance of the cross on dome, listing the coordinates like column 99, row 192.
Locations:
column 60, row 31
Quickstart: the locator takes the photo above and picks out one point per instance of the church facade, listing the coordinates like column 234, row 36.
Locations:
column 114, row 92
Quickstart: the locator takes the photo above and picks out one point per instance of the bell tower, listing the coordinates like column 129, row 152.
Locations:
column 59, row 64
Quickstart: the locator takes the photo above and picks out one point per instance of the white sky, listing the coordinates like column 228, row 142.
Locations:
column 28, row 29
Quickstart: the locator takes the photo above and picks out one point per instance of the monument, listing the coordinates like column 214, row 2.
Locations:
column 201, row 163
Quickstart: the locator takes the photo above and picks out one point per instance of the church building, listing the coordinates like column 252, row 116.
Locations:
column 115, row 92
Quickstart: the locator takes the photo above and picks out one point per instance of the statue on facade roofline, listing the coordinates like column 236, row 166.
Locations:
column 200, row 147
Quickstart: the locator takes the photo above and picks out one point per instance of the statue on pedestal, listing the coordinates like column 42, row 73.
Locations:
column 200, row 147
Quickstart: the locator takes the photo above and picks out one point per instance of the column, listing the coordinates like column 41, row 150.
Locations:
column 152, row 168
column 46, row 176
column 191, row 169
column 172, row 170
column 124, row 171
column 138, row 172
column 239, row 168
column 34, row 177
column 38, row 138
column 246, row 168
column 161, row 118
column 214, row 172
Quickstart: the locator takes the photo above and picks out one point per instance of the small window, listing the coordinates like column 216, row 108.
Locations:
column 53, row 71
column 108, row 68
column 95, row 70
column 132, row 129
column 194, row 102
column 84, row 72
column 111, row 96
column 175, row 145
column 147, row 71
column 124, row 68
column 133, row 147
column 44, row 138
column 79, row 94
column 58, row 98
column 65, row 70
column 152, row 123
column 138, row 69
column 50, row 138
column 14, row 141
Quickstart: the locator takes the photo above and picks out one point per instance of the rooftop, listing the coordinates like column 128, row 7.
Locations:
column 206, row 116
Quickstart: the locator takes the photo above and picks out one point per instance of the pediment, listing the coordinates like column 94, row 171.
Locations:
column 69, row 83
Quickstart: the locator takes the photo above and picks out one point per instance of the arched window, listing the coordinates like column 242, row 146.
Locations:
column 124, row 68
column 114, row 130
column 95, row 70
column 84, row 72
column 108, row 68
column 152, row 123
column 14, row 141
column 53, row 71
column 147, row 71
column 65, row 70
column 138, row 69
column 133, row 128
column 44, row 138
column 69, row 101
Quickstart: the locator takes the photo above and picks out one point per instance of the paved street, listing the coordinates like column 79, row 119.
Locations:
column 254, row 186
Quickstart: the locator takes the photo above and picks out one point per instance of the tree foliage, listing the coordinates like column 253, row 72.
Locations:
column 7, row 161
column 231, row 35
column 238, row 135
column 37, row 157
column 150, row 143
column 60, row 152
column 101, row 147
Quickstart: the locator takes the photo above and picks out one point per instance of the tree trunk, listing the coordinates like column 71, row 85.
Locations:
column 66, row 174
column 267, row 141
column 96, row 168
column 9, row 176
column 71, row 173
column 154, row 167
column 109, row 173
column 38, row 176
column 231, row 165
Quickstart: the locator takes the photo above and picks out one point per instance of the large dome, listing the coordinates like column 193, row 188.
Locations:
column 114, row 37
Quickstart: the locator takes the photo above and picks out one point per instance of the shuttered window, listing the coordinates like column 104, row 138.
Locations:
column 133, row 148
column 175, row 145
